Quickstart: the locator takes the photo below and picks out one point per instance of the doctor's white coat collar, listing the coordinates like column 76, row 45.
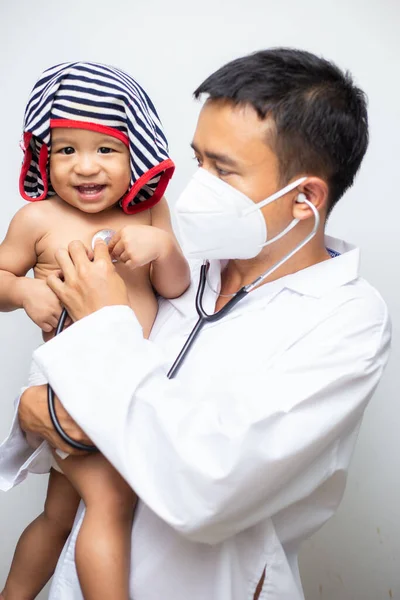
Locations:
column 319, row 279
column 313, row 281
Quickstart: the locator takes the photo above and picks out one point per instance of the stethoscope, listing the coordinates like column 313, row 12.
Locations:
column 204, row 317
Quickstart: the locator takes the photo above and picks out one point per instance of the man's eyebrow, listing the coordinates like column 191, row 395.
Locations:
column 221, row 158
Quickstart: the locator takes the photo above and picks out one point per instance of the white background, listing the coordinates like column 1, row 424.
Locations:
column 170, row 47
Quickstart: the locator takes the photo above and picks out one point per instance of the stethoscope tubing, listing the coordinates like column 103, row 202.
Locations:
column 204, row 318
column 51, row 404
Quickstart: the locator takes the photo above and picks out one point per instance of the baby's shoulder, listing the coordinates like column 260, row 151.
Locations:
column 33, row 216
column 38, row 209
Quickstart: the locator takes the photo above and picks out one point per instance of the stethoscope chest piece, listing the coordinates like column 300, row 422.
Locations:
column 103, row 234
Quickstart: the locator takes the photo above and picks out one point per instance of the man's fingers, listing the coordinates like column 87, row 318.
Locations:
column 78, row 253
column 68, row 322
column 59, row 274
column 53, row 321
column 56, row 442
column 101, row 251
column 55, row 284
column 59, row 444
column 70, row 428
column 33, row 414
column 65, row 263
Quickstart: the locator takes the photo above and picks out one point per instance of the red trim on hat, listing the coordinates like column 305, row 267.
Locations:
column 42, row 163
column 25, row 165
column 70, row 123
column 168, row 167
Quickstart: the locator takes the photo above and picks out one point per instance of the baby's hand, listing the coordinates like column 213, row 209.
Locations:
column 40, row 304
column 139, row 245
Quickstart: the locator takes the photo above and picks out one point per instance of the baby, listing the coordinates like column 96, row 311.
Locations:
column 95, row 151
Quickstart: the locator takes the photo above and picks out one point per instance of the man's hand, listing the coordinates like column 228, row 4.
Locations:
column 87, row 286
column 139, row 245
column 34, row 416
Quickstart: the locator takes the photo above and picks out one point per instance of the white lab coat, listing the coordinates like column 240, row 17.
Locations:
column 242, row 456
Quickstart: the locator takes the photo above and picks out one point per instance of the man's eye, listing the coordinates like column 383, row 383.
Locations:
column 222, row 172
column 105, row 150
column 67, row 150
column 196, row 158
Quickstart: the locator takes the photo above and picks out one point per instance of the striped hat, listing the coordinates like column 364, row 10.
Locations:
column 103, row 99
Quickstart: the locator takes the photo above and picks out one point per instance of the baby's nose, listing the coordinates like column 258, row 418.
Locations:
column 87, row 164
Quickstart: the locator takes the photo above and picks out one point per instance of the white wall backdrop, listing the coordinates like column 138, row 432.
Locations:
column 170, row 47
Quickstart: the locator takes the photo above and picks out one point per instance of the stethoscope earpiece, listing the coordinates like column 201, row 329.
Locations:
column 301, row 198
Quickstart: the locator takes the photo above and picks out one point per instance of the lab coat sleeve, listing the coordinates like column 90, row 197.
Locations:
column 246, row 451
column 18, row 458
column 14, row 452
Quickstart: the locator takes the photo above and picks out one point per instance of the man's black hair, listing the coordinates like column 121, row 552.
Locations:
column 319, row 116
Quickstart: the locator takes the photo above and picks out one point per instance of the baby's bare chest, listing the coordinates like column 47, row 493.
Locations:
column 64, row 227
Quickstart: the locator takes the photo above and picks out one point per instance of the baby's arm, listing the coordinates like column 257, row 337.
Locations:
column 17, row 256
column 137, row 245
column 170, row 273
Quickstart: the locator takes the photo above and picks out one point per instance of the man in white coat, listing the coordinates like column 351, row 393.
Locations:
column 244, row 453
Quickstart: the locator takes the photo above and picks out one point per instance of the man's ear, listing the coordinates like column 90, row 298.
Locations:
column 316, row 191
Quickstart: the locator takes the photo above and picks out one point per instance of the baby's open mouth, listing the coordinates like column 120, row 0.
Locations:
column 90, row 188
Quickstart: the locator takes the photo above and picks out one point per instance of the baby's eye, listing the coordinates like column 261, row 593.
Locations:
column 67, row 150
column 105, row 150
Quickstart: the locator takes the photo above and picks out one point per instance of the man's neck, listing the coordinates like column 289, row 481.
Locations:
column 242, row 272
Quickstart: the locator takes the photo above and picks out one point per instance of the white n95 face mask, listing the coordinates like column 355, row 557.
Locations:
column 217, row 221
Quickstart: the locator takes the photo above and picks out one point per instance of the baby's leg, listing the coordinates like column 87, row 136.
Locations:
column 40, row 545
column 104, row 540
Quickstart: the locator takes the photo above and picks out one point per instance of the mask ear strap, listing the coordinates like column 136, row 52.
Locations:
column 250, row 287
column 278, row 194
column 282, row 233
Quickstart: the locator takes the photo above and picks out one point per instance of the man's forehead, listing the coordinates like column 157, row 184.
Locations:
column 229, row 129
